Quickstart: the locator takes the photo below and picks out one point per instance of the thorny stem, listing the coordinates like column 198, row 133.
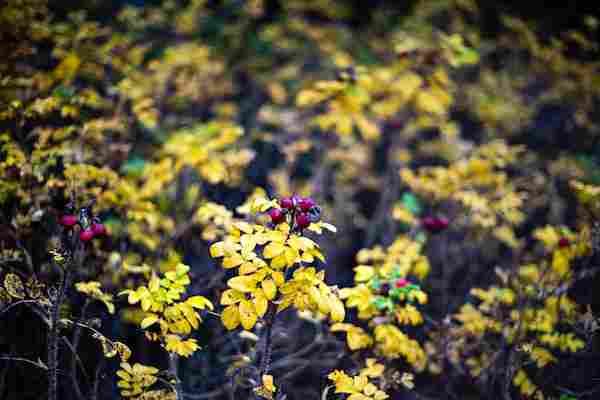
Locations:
column 76, row 339
column 53, row 337
column 265, row 361
column 173, row 367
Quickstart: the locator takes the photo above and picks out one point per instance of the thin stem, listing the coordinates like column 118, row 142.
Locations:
column 97, row 379
column 53, row 337
column 173, row 367
column 75, row 360
column 25, row 360
column 265, row 361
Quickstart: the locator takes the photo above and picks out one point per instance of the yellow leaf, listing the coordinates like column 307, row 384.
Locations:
column 148, row 321
column 268, row 286
column 216, row 250
column 260, row 304
column 230, row 317
column 363, row 273
column 200, row 302
column 242, row 283
column 247, row 314
column 248, row 244
column 154, row 283
column 233, row 261
column 231, row 296
column 14, row 286
column 273, row 249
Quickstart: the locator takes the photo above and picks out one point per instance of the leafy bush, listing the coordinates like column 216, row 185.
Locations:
column 299, row 199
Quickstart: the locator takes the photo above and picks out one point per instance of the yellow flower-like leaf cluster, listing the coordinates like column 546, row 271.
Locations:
column 480, row 184
column 135, row 380
column 527, row 309
column 356, row 336
column 347, row 101
column 93, row 290
column 360, row 386
column 111, row 349
column 267, row 389
column 15, row 289
column 392, row 343
column 382, row 295
column 161, row 302
column 307, row 290
column 263, row 257
column 209, row 150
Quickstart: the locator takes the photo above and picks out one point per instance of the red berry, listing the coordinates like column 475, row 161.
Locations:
column 68, row 220
column 98, row 229
column 287, row 203
column 277, row 216
column 302, row 220
column 563, row 242
column 429, row 223
column 400, row 283
column 396, row 123
column 433, row 224
column 86, row 235
column 442, row 223
column 306, row 203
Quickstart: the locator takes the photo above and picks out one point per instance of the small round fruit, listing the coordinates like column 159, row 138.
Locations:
column 68, row 220
column 306, row 204
column 86, row 235
column 442, row 223
column 302, row 220
column 400, row 283
column 563, row 242
column 99, row 229
column 429, row 223
column 385, row 287
column 286, row 203
column 277, row 216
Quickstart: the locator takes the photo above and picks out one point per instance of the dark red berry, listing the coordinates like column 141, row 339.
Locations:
column 429, row 223
column 433, row 224
column 68, row 220
column 302, row 220
column 306, row 203
column 442, row 223
column 396, row 123
column 400, row 283
column 98, row 229
column 563, row 242
column 287, row 203
column 277, row 216
column 86, row 235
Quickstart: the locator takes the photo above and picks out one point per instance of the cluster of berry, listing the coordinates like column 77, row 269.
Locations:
column 302, row 211
column 90, row 226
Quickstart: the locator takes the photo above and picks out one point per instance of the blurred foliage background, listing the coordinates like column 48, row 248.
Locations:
column 169, row 118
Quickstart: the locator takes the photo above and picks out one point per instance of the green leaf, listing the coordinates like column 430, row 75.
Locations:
column 411, row 203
